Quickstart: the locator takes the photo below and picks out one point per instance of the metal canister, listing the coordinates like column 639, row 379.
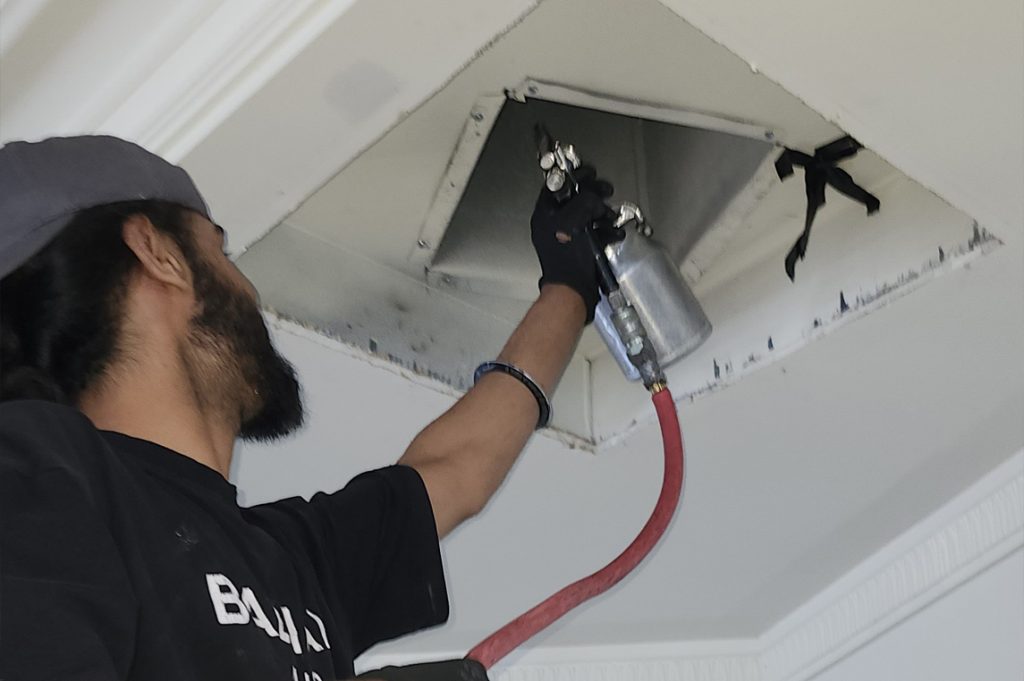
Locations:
column 652, row 283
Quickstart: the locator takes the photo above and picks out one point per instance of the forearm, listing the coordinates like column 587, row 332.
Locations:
column 464, row 455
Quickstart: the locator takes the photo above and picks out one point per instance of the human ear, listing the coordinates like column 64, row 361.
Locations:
column 159, row 256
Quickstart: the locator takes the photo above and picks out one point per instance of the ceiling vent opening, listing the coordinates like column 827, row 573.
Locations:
column 695, row 176
column 416, row 255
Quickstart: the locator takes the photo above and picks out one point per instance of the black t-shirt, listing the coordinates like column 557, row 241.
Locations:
column 121, row 559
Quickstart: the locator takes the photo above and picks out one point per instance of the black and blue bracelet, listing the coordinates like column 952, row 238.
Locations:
column 543, row 404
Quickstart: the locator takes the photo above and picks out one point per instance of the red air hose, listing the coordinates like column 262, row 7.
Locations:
column 512, row 635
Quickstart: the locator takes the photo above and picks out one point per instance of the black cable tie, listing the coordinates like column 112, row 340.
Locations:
column 820, row 170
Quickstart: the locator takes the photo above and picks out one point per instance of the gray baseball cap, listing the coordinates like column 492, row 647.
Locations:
column 43, row 184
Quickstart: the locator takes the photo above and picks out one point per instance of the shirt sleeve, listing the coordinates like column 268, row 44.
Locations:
column 377, row 544
column 66, row 610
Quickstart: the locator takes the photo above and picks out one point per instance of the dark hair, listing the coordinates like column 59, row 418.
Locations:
column 60, row 312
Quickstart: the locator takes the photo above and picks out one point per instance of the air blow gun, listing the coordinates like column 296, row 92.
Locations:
column 649, row 319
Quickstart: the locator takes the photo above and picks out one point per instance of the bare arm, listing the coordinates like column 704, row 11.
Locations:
column 464, row 455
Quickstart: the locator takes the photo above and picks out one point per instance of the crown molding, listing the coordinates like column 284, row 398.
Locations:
column 237, row 49
column 979, row 527
column 201, row 60
column 697, row 668
column 728, row 660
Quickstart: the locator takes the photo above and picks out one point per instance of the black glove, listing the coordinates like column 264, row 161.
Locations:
column 557, row 233
column 448, row 670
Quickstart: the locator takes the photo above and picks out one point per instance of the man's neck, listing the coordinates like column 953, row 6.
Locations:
column 154, row 401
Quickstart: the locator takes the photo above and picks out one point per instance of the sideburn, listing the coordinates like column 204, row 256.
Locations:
column 238, row 369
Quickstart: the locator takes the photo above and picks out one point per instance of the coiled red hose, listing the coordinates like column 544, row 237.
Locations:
column 512, row 635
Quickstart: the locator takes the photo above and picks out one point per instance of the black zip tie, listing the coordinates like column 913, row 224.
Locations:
column 820, row 170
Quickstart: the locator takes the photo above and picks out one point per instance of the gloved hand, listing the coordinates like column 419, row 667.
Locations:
column 448, row 670
column 557, row 233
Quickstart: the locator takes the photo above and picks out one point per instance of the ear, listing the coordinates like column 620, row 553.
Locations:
column 158, row 254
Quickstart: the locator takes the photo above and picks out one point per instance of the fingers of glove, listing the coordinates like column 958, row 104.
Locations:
column 588, row 181
column 561, row 221
column 604, row 189
column 605, row 233
column 585, row 174
column 578, row 216
column 577, row 213
column 590, row 209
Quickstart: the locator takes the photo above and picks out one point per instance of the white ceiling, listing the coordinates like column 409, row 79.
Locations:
column 797, row 472
column 935, row 87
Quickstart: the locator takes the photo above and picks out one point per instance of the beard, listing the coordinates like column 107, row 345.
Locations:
column 234, row 365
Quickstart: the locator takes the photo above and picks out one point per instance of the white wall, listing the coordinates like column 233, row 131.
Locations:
column 767, row 477
column 974, row 632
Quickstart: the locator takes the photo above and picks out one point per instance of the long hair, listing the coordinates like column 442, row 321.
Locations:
column 61, row 311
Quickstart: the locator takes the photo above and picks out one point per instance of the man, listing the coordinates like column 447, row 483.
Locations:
column 133, row 356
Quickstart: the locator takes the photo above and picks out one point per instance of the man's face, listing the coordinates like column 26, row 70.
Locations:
column 230, row 346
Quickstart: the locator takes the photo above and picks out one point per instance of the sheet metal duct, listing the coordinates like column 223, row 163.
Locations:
column 685, row 177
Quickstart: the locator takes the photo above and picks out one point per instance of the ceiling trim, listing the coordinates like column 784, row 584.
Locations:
column 726, row 660
column 698, row 668
column 977, row 528
column 236, row 50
